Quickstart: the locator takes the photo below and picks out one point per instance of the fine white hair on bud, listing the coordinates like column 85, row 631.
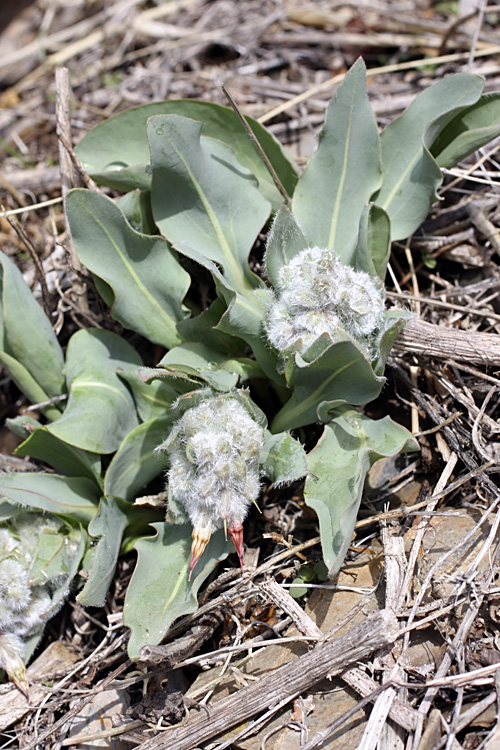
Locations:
column 214, row 471
column 26, row 606
column 317, row 294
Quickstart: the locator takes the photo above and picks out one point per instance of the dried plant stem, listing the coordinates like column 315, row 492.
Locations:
column 284, row 683
column 258, row 148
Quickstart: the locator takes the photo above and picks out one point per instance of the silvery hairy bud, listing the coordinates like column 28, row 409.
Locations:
column 317, row 294
column 214, row 473
column 38, row 558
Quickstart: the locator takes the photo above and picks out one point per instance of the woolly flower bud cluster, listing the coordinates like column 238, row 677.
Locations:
column 25, row 607
column 214, row 468
column 318, row 294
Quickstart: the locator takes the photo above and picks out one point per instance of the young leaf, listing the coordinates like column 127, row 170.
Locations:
column 243, row 316
column 152, row 399
column 108, row 525
column 469, row 130
column 411, row 175
column 211, row 368
column 136, row 207
column 26, row 334
column 341, row 371
column 286, row 240
column 374, row 242
column 101, row 410
column 116, row 153
column 135, row 463
column 203, row 328
column 74, row 498
column 283, row 458
column 202, row 196
column 159, row 591
column 148, row 284
column 64, row 458
column 338, row 465
column 343, row 172
column 218, row 370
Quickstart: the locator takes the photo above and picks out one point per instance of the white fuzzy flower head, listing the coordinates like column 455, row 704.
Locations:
column 214, row 468
column 317, row 294
column 25, row 607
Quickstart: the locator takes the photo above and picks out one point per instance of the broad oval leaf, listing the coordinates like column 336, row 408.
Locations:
column 159, row 591
column 343, row 172
column 26, row 334
column 74, row 498
column 469, row 130
column 202, row 196
column 152, row 399
column 135, row 463
column 411, row 175
column 338, row 465
column 115, row 153
column 341, row 371
column 283, row 459
column 64, row 458
column 146, row 279
column 101, row 410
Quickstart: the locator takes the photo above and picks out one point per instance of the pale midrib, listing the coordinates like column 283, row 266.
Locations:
column 230, row 265
column 397, row 185
column 175, row 591
column 96, row 384
column 338, row 200
column 309, row 402
column 128, row 266
column 421, row 147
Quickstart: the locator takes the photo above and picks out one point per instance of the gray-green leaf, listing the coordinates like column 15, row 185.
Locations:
column 283, row 459
column 101, row 410
column 148, row 284
column 74, row 498
column 338, row 465
column 411, row 175
column 64, row 458
column 115, row 153
column 341, row 371
column 135, row 463
column 469, row 130
column 159, row 591
column 285, row 241
column 108, row 526
column 343, row 172
column 26, row 336
column 202, row 196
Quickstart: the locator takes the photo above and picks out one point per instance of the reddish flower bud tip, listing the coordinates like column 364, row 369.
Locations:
column 200, row 540
column 236, row 533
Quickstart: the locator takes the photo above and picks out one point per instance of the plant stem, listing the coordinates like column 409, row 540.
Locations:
column 258, row 147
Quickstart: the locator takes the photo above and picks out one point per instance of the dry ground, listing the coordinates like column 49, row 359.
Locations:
column 435, row 551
